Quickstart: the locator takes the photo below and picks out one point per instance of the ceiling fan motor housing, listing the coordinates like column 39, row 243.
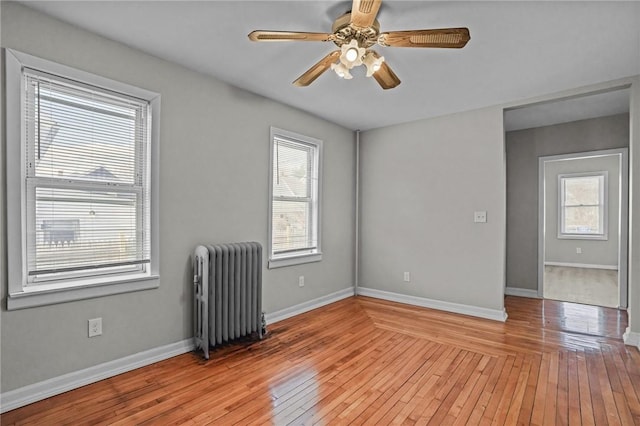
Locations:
column 344, row 32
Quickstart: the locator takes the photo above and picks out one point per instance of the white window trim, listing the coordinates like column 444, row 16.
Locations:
column 21, row 295
column 604, row 194
column 298, row 257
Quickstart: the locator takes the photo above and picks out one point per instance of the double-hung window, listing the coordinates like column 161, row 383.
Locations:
column 294, row 225
column 81, row 151
column 583, row 205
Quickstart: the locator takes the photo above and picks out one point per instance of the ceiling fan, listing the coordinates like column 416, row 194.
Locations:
column 355, row 33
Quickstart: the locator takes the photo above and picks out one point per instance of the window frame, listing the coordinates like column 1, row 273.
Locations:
column 301, row 256
column 603, row 205
column 20, row 293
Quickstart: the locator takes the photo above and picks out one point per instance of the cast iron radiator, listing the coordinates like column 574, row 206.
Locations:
column 227, row 282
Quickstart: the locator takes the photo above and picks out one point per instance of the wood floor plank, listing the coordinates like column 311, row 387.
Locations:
column 562, row 405
column 537, row 417
column 624, row 405
column 502, row 389
column 463, row 393
column 412, row 393
column 626, row 382
column 394, row 393
column 327, row 380
column 373, row 393
column 597, row 395
column 436, row 397
column 366, row 361
column 607, row 388
column 426, row 391
column 512, row 408
column 551, row 396
column 586, row 405
column 480, row 407
column 526, row 409
column 463, row 417
column 403, row 373
column 375, row 410
column 350, row 388
column 573, row 389
column 632, row 367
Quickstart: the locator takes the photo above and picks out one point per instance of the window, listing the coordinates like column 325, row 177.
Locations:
column 79, row 151
column 583, row 205
column 294, row 225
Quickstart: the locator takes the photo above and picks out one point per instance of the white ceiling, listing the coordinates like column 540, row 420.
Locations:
column 518, row 50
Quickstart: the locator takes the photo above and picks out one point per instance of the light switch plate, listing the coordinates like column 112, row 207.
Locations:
column 480, row 217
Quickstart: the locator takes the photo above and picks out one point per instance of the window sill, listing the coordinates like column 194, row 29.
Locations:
column 583, row 237
column 32, row 297
column 294, row 260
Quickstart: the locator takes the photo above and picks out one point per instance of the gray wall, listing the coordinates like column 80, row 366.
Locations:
column 421, row 183
column 214, row 163
column 594, row 252
column 523, row 149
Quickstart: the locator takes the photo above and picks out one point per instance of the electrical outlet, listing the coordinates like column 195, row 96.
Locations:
column 407, row 277
column 578, row 250
column 95, row 327
column 301, row 281
column 480, row 217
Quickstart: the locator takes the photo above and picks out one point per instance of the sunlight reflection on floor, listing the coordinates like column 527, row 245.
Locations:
column 574, row 317
column 294, row 396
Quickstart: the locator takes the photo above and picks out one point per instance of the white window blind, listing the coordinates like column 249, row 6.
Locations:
column 294, row 180
column 583, row 205
column 294, row 229
column 87, row 179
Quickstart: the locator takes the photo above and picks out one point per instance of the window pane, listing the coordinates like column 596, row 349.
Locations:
column 582, row 190
column 291, row 228
column 85, row 229
column 582, row 220
column 291, row 169
column 80, row 139
column 82, row 134
column 294, row 222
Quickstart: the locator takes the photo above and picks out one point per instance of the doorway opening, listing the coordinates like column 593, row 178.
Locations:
column 582, row 228
column 563, row 243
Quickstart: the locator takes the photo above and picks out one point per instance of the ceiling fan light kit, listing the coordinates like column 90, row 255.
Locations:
column 355, row 33
column 342, row 70
column 373, row 62
column 351, row 54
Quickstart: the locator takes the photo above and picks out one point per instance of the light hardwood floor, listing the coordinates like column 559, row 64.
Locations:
column 366, row 361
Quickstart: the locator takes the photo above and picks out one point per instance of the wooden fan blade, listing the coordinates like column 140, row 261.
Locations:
column 364, row 12
column 260, row 35
column 315, row 71
column 455, row 38
column 385, row 77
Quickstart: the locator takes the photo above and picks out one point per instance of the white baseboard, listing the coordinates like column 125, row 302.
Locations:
column 582, row 265
column 308, row 306
column 521, row 292
column 492, row 314
column 631, row 338
column 38, row 391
